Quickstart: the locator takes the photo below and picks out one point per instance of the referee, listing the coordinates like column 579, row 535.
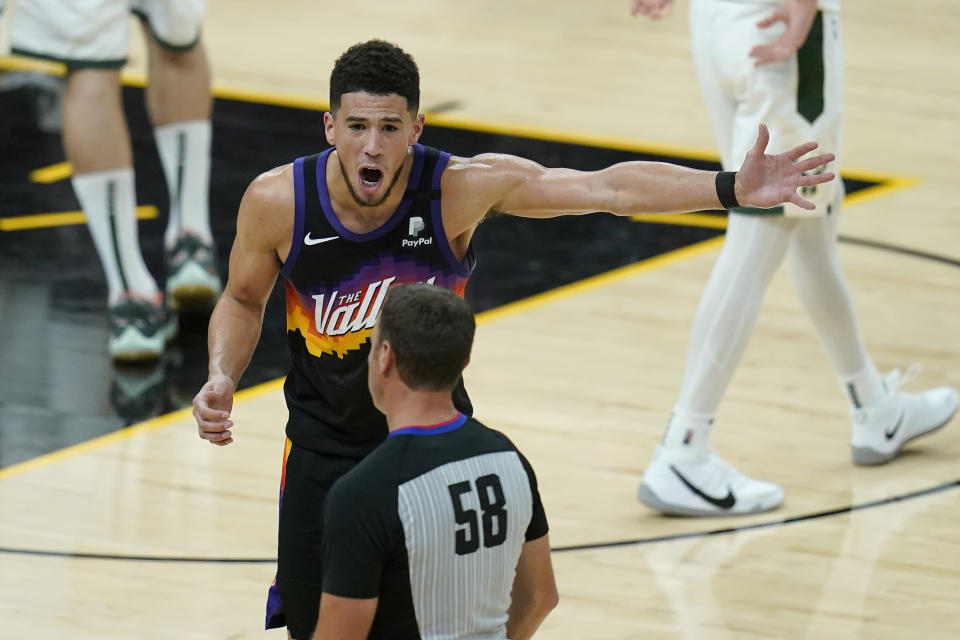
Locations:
column 439, row 533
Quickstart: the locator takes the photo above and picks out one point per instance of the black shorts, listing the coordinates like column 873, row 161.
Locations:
column 294, row 597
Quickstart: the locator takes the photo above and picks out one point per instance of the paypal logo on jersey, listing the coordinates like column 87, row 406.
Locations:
column 416, row 226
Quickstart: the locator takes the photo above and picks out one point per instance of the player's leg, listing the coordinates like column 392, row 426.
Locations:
column 685, row 476
column 97, row 143
column 817, row 276
column 884, row 418
column 179, row 103
column 294, row 598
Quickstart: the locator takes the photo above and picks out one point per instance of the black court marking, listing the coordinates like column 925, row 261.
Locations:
column 940, row 488
column 916, row 253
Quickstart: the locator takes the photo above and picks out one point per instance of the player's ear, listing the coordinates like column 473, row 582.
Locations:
column 417, row 129
column 328, row 120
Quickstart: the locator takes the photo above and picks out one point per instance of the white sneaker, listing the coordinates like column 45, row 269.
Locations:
column 881, row 430
column 703, row 485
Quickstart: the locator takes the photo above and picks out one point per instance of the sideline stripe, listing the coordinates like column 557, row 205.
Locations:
column 702, row 220
column 51, row 174
column 887, row 186
column 128, row 432
column 609, row 277
column 62, row 219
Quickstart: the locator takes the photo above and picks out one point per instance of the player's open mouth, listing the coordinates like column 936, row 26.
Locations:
column 370, row 179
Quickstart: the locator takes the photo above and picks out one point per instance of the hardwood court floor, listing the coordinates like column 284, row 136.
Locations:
column 583, row 378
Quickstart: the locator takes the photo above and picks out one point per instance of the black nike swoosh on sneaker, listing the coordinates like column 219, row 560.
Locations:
column 896, row 427
column 721, row 503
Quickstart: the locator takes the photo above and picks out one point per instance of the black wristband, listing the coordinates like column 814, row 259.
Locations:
column 725, row 191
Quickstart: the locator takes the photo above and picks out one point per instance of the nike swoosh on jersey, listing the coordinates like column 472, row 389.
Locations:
column 307, row 240
column 725, row 503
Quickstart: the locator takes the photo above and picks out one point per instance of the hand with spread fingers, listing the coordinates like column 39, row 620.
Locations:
column 767, row 180
column 212, row 407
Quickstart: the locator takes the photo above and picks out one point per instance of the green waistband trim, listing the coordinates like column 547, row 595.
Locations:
column 73, row 63
column 756, row 211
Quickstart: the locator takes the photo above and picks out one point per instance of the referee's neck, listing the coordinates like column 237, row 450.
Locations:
column 410, row 408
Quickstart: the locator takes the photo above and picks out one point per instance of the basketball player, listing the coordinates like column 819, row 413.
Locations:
column 378, row 209
column 92, row 39
column 758, row 61
column 433, row 531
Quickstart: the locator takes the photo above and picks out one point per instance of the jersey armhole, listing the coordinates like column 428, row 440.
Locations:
column 462, row 268
column 298, row 198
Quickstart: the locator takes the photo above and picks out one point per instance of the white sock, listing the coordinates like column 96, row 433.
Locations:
column 185, row 154
column 688, row 431
column 865, row 387
column 109, row 201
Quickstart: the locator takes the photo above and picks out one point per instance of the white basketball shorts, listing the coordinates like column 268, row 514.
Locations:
column 800, row 99
column 96, row 33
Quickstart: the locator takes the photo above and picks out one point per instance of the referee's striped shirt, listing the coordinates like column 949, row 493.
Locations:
column 432, row 523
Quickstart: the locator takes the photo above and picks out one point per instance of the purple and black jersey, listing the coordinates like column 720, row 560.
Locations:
column 336, row 284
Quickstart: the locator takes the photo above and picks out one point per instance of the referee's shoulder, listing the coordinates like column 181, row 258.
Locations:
column 494, row 435
column 370, row 474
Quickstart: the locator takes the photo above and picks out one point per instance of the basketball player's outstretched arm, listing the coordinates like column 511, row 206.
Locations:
column 264, row 226
column 512, row 185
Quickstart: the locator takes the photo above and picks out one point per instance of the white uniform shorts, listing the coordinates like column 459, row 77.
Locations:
column 96, row 33
column 799, row 100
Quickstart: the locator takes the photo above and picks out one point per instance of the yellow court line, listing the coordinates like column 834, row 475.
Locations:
column 276, row 99
column 51, row 174
column 609, row 277
column 62, row 219
column 122, row 434
column 569, row 137
column 702, row 220
column 34, row 65
column 485, row 317
column 885, row 188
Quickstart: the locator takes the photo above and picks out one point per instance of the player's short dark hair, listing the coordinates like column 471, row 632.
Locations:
column 376, row 67
column 431, row 331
